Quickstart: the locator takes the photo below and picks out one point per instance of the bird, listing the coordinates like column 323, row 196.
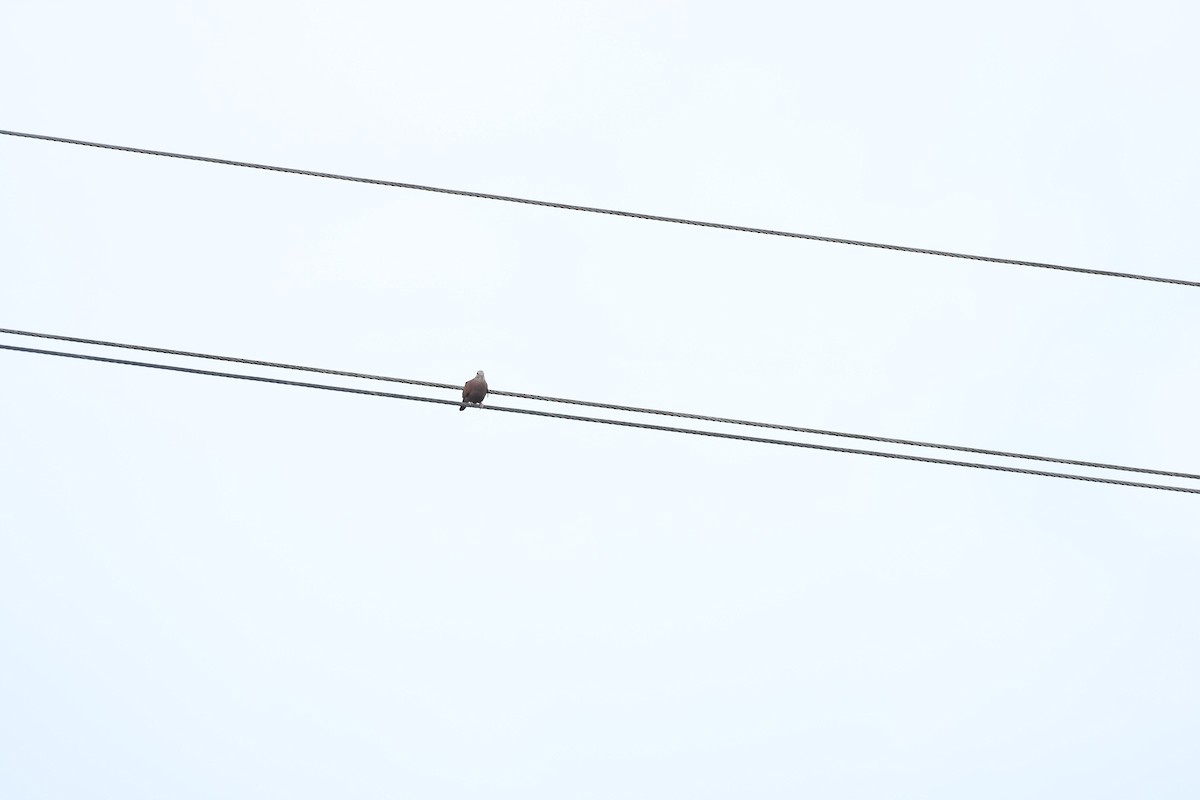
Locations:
column 474, row 390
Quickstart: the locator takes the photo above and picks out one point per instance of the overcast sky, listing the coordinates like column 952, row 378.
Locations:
column 214, row 588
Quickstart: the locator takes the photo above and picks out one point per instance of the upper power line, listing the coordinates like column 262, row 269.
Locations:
column 609, row 406
column 609, row 211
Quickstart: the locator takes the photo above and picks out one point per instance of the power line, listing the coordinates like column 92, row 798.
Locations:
column 609, row 211
column 601, row 421
column 613, row 407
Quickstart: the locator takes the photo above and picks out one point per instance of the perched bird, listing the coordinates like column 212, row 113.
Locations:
column 474, row 390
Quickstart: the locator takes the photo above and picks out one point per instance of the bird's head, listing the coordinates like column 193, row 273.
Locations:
column 479, row 374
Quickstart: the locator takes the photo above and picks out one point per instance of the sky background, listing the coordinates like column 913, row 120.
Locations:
column 213, row 588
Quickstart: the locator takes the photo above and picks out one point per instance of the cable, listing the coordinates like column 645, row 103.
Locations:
column 614, row 407
column 598, row 420
column 609, row 211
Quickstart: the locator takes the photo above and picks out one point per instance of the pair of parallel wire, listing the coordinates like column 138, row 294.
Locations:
column 607, row 406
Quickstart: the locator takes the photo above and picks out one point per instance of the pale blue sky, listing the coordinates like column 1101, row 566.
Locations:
column 212, row 588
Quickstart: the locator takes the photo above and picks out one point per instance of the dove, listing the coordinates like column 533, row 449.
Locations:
column 474, row 390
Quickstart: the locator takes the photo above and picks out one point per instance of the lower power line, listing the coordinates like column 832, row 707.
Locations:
column 598, row 420
column 612, row 406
